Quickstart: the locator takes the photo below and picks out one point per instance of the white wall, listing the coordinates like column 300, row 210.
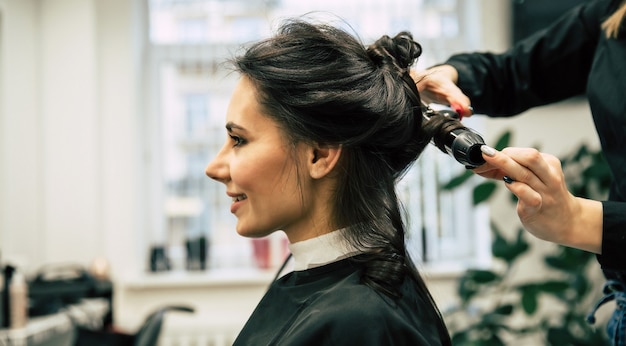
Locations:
column 20, row 139
column 70, row 140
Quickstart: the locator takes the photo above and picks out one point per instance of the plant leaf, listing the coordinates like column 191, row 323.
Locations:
column 467, row 288
column 529, row 300
column 457, row 181
column 560, row 336
column 581, row 285
column 483, row 276
column 504, row 309
column 521, row 245
column 503, row 141
column 483, row 191
column 554, row 287
column 471, row 282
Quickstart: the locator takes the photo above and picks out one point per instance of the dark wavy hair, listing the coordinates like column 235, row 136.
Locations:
column 322, row 85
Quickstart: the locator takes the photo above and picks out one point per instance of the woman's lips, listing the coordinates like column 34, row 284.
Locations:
column 237, row 201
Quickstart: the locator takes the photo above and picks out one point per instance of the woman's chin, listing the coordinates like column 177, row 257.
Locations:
column 252, row 233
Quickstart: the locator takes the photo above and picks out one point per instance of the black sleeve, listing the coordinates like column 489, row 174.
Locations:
column 613, row 236
column 548, row 66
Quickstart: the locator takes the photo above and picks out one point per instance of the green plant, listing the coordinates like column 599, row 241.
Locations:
column 496, row 307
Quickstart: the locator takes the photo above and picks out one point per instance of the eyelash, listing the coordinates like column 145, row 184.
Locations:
column 238, row 140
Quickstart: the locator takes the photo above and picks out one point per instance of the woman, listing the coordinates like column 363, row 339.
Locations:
column 583, row 53
column 320, row 130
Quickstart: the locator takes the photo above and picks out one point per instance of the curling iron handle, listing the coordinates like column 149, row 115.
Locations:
column 464, row 146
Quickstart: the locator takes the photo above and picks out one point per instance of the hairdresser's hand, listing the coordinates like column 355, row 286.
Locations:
column 545, row 206
column 438, row 85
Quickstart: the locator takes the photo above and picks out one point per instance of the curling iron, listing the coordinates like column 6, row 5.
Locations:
column 463, row 143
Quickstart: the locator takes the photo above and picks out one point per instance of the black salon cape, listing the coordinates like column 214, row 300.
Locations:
column 571, row 57
column 328, row 306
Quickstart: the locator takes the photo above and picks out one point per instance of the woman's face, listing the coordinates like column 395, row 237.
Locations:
column 264, row 175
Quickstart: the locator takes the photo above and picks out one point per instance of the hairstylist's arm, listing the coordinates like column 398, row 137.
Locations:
column 438, row 84
column 545, row 206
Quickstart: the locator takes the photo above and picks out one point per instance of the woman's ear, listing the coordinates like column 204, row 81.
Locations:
column 323, row 159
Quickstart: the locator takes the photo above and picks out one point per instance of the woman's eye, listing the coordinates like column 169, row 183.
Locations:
column 238, row 141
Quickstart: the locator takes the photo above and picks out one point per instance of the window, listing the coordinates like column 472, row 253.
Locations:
column 187, row 95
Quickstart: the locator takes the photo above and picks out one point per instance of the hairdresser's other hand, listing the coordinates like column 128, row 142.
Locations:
column 438, row 85
column 545, row 206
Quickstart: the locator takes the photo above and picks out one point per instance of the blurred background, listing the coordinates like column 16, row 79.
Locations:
column 111, row 109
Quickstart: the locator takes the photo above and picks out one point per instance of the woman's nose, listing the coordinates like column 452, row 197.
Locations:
column 217, row 169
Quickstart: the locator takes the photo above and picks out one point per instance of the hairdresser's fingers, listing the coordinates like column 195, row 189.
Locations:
column 545, row 206
column 552, row 213
column 544, row 166
column 500, row 166
column 464, row 110
column 520, row 189
column 538, row 181
column 555, row 197
column 489, row 171
column 505, row 164
column 529, row 201
column 438, row 85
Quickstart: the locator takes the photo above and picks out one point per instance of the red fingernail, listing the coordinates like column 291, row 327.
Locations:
column 458, row 109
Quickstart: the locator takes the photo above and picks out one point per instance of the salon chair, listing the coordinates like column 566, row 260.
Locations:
column 147, row 335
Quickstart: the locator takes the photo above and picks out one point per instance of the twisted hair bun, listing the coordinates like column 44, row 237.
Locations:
column 399, row 52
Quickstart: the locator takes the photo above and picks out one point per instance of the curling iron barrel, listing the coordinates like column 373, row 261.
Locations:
column 462, row 143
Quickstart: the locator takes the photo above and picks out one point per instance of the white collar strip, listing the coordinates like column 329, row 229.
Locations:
column 318, row 251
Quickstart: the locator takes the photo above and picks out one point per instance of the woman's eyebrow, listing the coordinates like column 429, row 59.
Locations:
column 230, row 126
